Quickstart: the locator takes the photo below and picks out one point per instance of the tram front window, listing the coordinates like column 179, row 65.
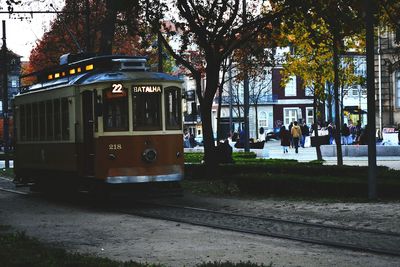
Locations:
column 173, row 118
column 146, row 108
column 115, row 113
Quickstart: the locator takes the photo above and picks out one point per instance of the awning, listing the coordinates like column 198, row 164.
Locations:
column 354, row 110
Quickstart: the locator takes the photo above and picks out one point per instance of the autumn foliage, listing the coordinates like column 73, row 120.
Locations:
column 70, row 33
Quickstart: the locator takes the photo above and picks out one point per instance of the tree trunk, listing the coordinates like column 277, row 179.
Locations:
column 210, row 155
column 220, row 89
column 336, row 43
column 315, row 128
column 108, row 29
column 256, row 111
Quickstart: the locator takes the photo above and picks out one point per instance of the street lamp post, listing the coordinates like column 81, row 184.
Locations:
column 372, row 170
column 5, row 97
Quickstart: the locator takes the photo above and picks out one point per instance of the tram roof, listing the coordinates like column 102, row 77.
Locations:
column 98, row 69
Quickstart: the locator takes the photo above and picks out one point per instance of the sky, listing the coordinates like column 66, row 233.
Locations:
column 23, row 30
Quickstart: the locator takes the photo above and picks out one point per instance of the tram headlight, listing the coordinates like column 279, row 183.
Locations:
column 149, row 155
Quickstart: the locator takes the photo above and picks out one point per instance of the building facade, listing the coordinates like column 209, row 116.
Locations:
column 387, row 79
column 294, row 102
column 13, row 77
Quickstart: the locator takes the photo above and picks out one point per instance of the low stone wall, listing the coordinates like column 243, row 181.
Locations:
column 359, row 151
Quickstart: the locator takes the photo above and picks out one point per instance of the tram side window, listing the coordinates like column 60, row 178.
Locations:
column 173, row 115
column 64, row 118
column 115, row 110
column 57, row 119
column 28, row 122
column 46, row 120
column 49, row 119
column 42, row 122
column 35, row 122
column 22, row 123
column 146, row 111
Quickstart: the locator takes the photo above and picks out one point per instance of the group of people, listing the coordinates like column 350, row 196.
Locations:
column 293, row 137
column 349, row 134
column 188, row 140
column 297, row 134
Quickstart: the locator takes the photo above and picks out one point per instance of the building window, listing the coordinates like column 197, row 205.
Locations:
column 354, row 91
column 14, row 82
column 309, row 91
column 290, row 88
column 309, row 116
column 289, row 115
column 262, row 119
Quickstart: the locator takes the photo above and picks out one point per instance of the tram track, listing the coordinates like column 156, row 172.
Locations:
column 367, row 240
column 360, row 239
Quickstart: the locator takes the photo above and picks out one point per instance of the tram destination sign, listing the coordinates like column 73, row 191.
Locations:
column 146, row 89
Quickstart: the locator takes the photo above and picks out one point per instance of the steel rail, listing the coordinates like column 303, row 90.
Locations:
column 393, row 251
column 144, row 209
column 346, row 228
column 13, row 191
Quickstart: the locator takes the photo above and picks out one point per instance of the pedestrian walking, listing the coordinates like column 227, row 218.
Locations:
column 331, row 133
column 305, row 131
column 291, row 138
column 284, row 135
column 345, row 134
column 398, row 133
column 296, row 134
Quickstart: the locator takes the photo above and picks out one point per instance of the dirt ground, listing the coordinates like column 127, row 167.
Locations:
column 81, row 228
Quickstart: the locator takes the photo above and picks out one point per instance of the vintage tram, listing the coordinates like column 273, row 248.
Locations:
column 101, row 120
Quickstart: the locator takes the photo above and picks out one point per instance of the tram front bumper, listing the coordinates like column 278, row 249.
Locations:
column 144, row 175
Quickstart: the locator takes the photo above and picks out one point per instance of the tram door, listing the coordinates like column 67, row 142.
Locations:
column 88, row 133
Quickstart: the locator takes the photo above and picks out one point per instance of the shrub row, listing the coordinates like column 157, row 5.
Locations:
column 287, row 178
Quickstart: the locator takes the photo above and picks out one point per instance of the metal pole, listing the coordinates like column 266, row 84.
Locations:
column 5, row 98
column 231, row 129
column 160, row 53
column 372, row 170
column 246, row 96
column 380, row 81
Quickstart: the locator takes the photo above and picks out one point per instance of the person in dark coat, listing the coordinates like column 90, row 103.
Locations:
column 305, row 131
column 398, row 133
column 345, row 134
column 284, row 135
column 290, row 137
column 364, row 136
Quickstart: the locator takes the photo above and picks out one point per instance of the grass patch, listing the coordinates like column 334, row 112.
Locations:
column 19, row 250
column 9, row 173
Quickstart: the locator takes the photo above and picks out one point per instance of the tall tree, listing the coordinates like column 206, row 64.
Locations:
column 311, row 60
column 69, row 33
column 217, row 28
column 342, row 19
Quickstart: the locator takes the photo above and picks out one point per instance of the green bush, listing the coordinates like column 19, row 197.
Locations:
column 301, row 179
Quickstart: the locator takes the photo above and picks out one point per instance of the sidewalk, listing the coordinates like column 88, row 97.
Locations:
column 309, row 153
column 273, row 150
